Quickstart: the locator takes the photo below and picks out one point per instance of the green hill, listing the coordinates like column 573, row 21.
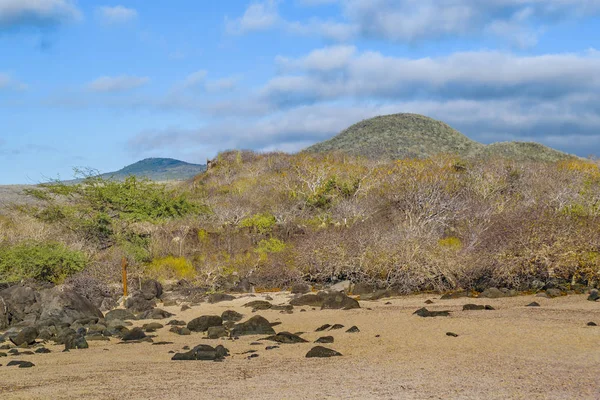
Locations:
column 400, row 136
column 159, row 169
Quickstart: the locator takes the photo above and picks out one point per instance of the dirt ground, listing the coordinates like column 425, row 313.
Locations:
column 514, row 352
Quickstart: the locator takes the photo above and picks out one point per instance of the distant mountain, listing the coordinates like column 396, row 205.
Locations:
column 158, row 169
column 400, row 136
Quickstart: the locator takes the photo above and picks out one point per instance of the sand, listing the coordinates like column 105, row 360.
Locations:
column 514, row 352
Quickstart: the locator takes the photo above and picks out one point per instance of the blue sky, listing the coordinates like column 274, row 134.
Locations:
column 102, row 84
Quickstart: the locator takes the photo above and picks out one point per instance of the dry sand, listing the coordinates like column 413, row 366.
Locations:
column 513, row 352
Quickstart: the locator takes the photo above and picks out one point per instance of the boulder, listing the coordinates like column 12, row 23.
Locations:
column 353, row 329
column 493, row 293
column 219, row 297
column 325, row 339
column 119, row 314
column 155, row 313
column 180, row 330
column 134, row 334
column 300, row 288
column 152, row 327
column 553, row 293
column 151, row 289
column 75, row 342
column 26, row 336
column 216, row 332
column 230, row 315
column 259, row 305
column 20, row 364
column 66, row 306
column 201, row 324
column 423, row 312
column 338, row 301
column 321, row 352
column 256, row 325
column 311, row 300
column 203, row 352
column 138, row 303
column 287, row 338
column 594, row 295
column 19, row 303
column 343, row 286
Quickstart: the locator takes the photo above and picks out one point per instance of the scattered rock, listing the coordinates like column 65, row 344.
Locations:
column 286, row 338
column 180, row 330
column 42, row 350
column 475, row 307
column 321, row 352
column 152, row 327
column 134, row 334
column 151, row 289
column 533, row 304
column 423, row 312
column 336, row 327
column 493, row 293
column 325, row 339
column 592, row 324
column 259, row 305
column 543, row 295
column 311, row 300
column 185, row 307
column 428, row 301
column 201, row 324
column 256, row 325
column 271, row 347
column 251, row 356
column 343, row 286
column 230, row 315
column 155, row 313
column 20, row 364
column 139, row 304
column 451, row 334
column 453, row 295
column 161, row 343
column 119, row 314
column 594, row 295
column 323, row 327
column 553, row 293
column 175, row 322
column 353, row 329
column 169, row 303
column 76, row 342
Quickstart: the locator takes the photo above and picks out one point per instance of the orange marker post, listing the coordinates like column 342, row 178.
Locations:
column 124, row 270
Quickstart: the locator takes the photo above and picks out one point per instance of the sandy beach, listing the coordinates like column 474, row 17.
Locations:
column 514, row 351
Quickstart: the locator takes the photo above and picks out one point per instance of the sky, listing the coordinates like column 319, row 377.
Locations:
column 101, row 84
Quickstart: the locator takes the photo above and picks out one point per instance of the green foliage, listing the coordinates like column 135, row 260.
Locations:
column 50, row 262
column 270, row 245
column 451, row 242
column 259, row 223
column 171, row 268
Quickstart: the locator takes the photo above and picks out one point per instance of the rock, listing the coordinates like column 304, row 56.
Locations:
column 339, row 301
column 336, row 327
column 170, row 303
column 343, row 286
column 325, row 339
column 493, row 293
column 323, row 327
column 18, row 302
column 42, row 350
column 475, row 307
column 321, row 352
column 139, row 304
column 259, row 305
column 175, row 322
column 312, row 300
column 230, row 315
column 594, row 295
column 251, row 356
column 243, row 286
column 155, row 313
column 183, row 331
column 379, row 294
column 134, row 334
column 271, row 347
column 152, row 327
column 451, row 334
column 151, row 289
column 533, row 304
column 537, row 284
column 216, row 332
column 219, row 297
column 362, row 289
column 26, row 336
column 428, row 302
column 119, row 314
column 543, row 295
column 553, row 293
column 256, row 325
column 592, row 324
column 203, row 352
column 454, row 295
column 353, row 329
column 185, row 307
column 300, row 288
column 201, row 324
column 20, row 364
column 75, row 342
column 108, row 303
column 423, row 312
column 287, row 338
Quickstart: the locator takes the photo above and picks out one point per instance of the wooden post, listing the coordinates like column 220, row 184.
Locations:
column 124, row 270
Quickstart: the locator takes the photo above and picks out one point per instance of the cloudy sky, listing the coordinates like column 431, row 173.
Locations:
column 102, row 84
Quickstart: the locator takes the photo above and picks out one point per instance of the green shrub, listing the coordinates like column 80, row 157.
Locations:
column 51, row 262
column 270, row 245
column 259, row 223
column 171, row 268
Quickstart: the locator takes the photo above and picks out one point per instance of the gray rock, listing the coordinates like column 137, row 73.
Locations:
column 216, row 332
column 20, row 364
column 300, row 288
column 151, row 289
column 322, row 352
column 26, row 336
column 325, row 339
column 423, row 312
column 201, row 324
column 493, row 293
column 155, row 313
column 594, row 295
column 220, row 297
column 134, row 334
column 287, row 338
column 256, row 325
column 119, row 314
column 230, row 315
column 203, row 352
column 75, row 342
column 339, row 301
column 259, row 305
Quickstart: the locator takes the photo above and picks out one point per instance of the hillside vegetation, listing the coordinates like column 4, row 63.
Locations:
column 399, row 136
column 439, row 223
column 158, row 169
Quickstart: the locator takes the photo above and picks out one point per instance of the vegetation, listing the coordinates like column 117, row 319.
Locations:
column 400, row 136
column 438, row 223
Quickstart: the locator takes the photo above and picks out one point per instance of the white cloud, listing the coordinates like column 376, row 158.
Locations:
column 257, row 17
column 195, row 79
column 37, row 13
column 223, row 84
column 7, row 82
column 117, row 83
column 117, row 14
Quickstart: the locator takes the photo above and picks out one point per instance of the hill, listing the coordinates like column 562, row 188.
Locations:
column 401, row 136
column 159, row 169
